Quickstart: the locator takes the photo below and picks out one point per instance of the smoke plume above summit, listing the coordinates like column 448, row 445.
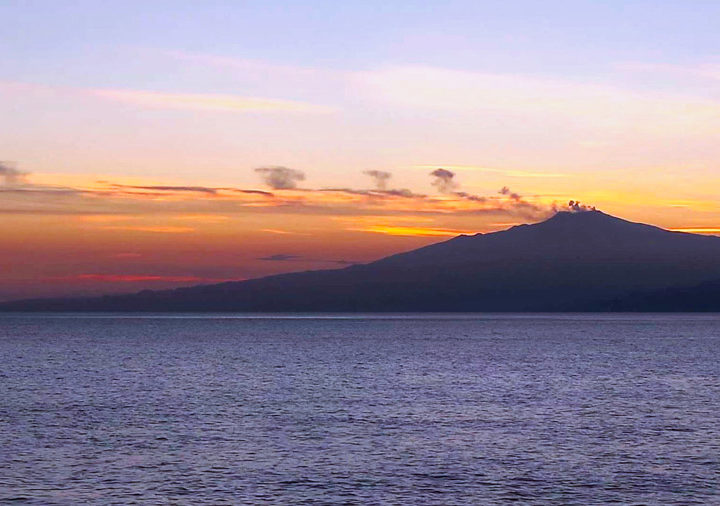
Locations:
column 10, row 175
column 281, row 178
column 444, row 180
column 380, row 177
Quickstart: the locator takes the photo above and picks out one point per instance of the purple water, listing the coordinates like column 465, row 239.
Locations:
column 466, row 409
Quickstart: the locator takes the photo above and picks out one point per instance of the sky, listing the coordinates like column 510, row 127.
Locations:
column 170, row 143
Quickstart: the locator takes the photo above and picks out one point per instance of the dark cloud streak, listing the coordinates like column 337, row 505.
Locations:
column 404, row 193
column 196, row 189
column 114, row 198
column 284, row 257
column 280, row 257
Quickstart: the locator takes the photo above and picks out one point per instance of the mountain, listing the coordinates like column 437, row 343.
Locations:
column 582, row 261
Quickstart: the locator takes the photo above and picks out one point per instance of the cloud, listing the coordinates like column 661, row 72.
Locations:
column 413, row 231
column 105, row 218
column 105, row 198
column 377, row 194
column 207, row 102
column 280, row 257
column 185, row 189
column 151, row 229
column 260, row 71
column 138, row 278
column 35, row 189
column 595, row 108
column 341, row 262
column 404, row 193
column 469, row 196
column 161, row 188
column 277, row 231
column 505, row 172
column 203, row 218
column 443, row 180
column 380, row 177
column 248, row 192
column 281, row 178
column 10, row 175
column 700, row 70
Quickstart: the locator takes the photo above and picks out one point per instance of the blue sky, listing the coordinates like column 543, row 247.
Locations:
column 409, row 84
column 44, row 38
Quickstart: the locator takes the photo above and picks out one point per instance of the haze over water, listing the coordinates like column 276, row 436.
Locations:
column 461, row 409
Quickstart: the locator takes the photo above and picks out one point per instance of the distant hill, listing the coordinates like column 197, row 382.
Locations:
column 581, row 261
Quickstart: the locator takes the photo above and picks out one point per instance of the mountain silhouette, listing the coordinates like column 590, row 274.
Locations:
column 574, row 261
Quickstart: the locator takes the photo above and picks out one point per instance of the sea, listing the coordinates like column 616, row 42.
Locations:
column 360, row 409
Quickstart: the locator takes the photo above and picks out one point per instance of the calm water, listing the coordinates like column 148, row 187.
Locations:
column 570, row 409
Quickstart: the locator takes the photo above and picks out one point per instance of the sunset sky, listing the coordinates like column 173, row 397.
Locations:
column 169, row 143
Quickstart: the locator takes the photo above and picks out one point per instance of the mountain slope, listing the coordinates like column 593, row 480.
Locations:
column 571, row 262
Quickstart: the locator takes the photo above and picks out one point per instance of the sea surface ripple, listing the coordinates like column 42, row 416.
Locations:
column 360, row 409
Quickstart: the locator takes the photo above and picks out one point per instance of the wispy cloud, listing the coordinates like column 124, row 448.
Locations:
column 280, row 257
column 412, row 231
column 208, row 102
column 106, row 218
column 277, row 231
column 600, row 107
column 138, row 278
column 197, row 203
column 150, row 229
column 164, row 188
column 285, row 257
column 254, row 67
column 203, row 218
column 708, row 70
column 504, row 172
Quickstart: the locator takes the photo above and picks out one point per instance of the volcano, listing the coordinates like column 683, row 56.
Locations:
column 574, row 261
